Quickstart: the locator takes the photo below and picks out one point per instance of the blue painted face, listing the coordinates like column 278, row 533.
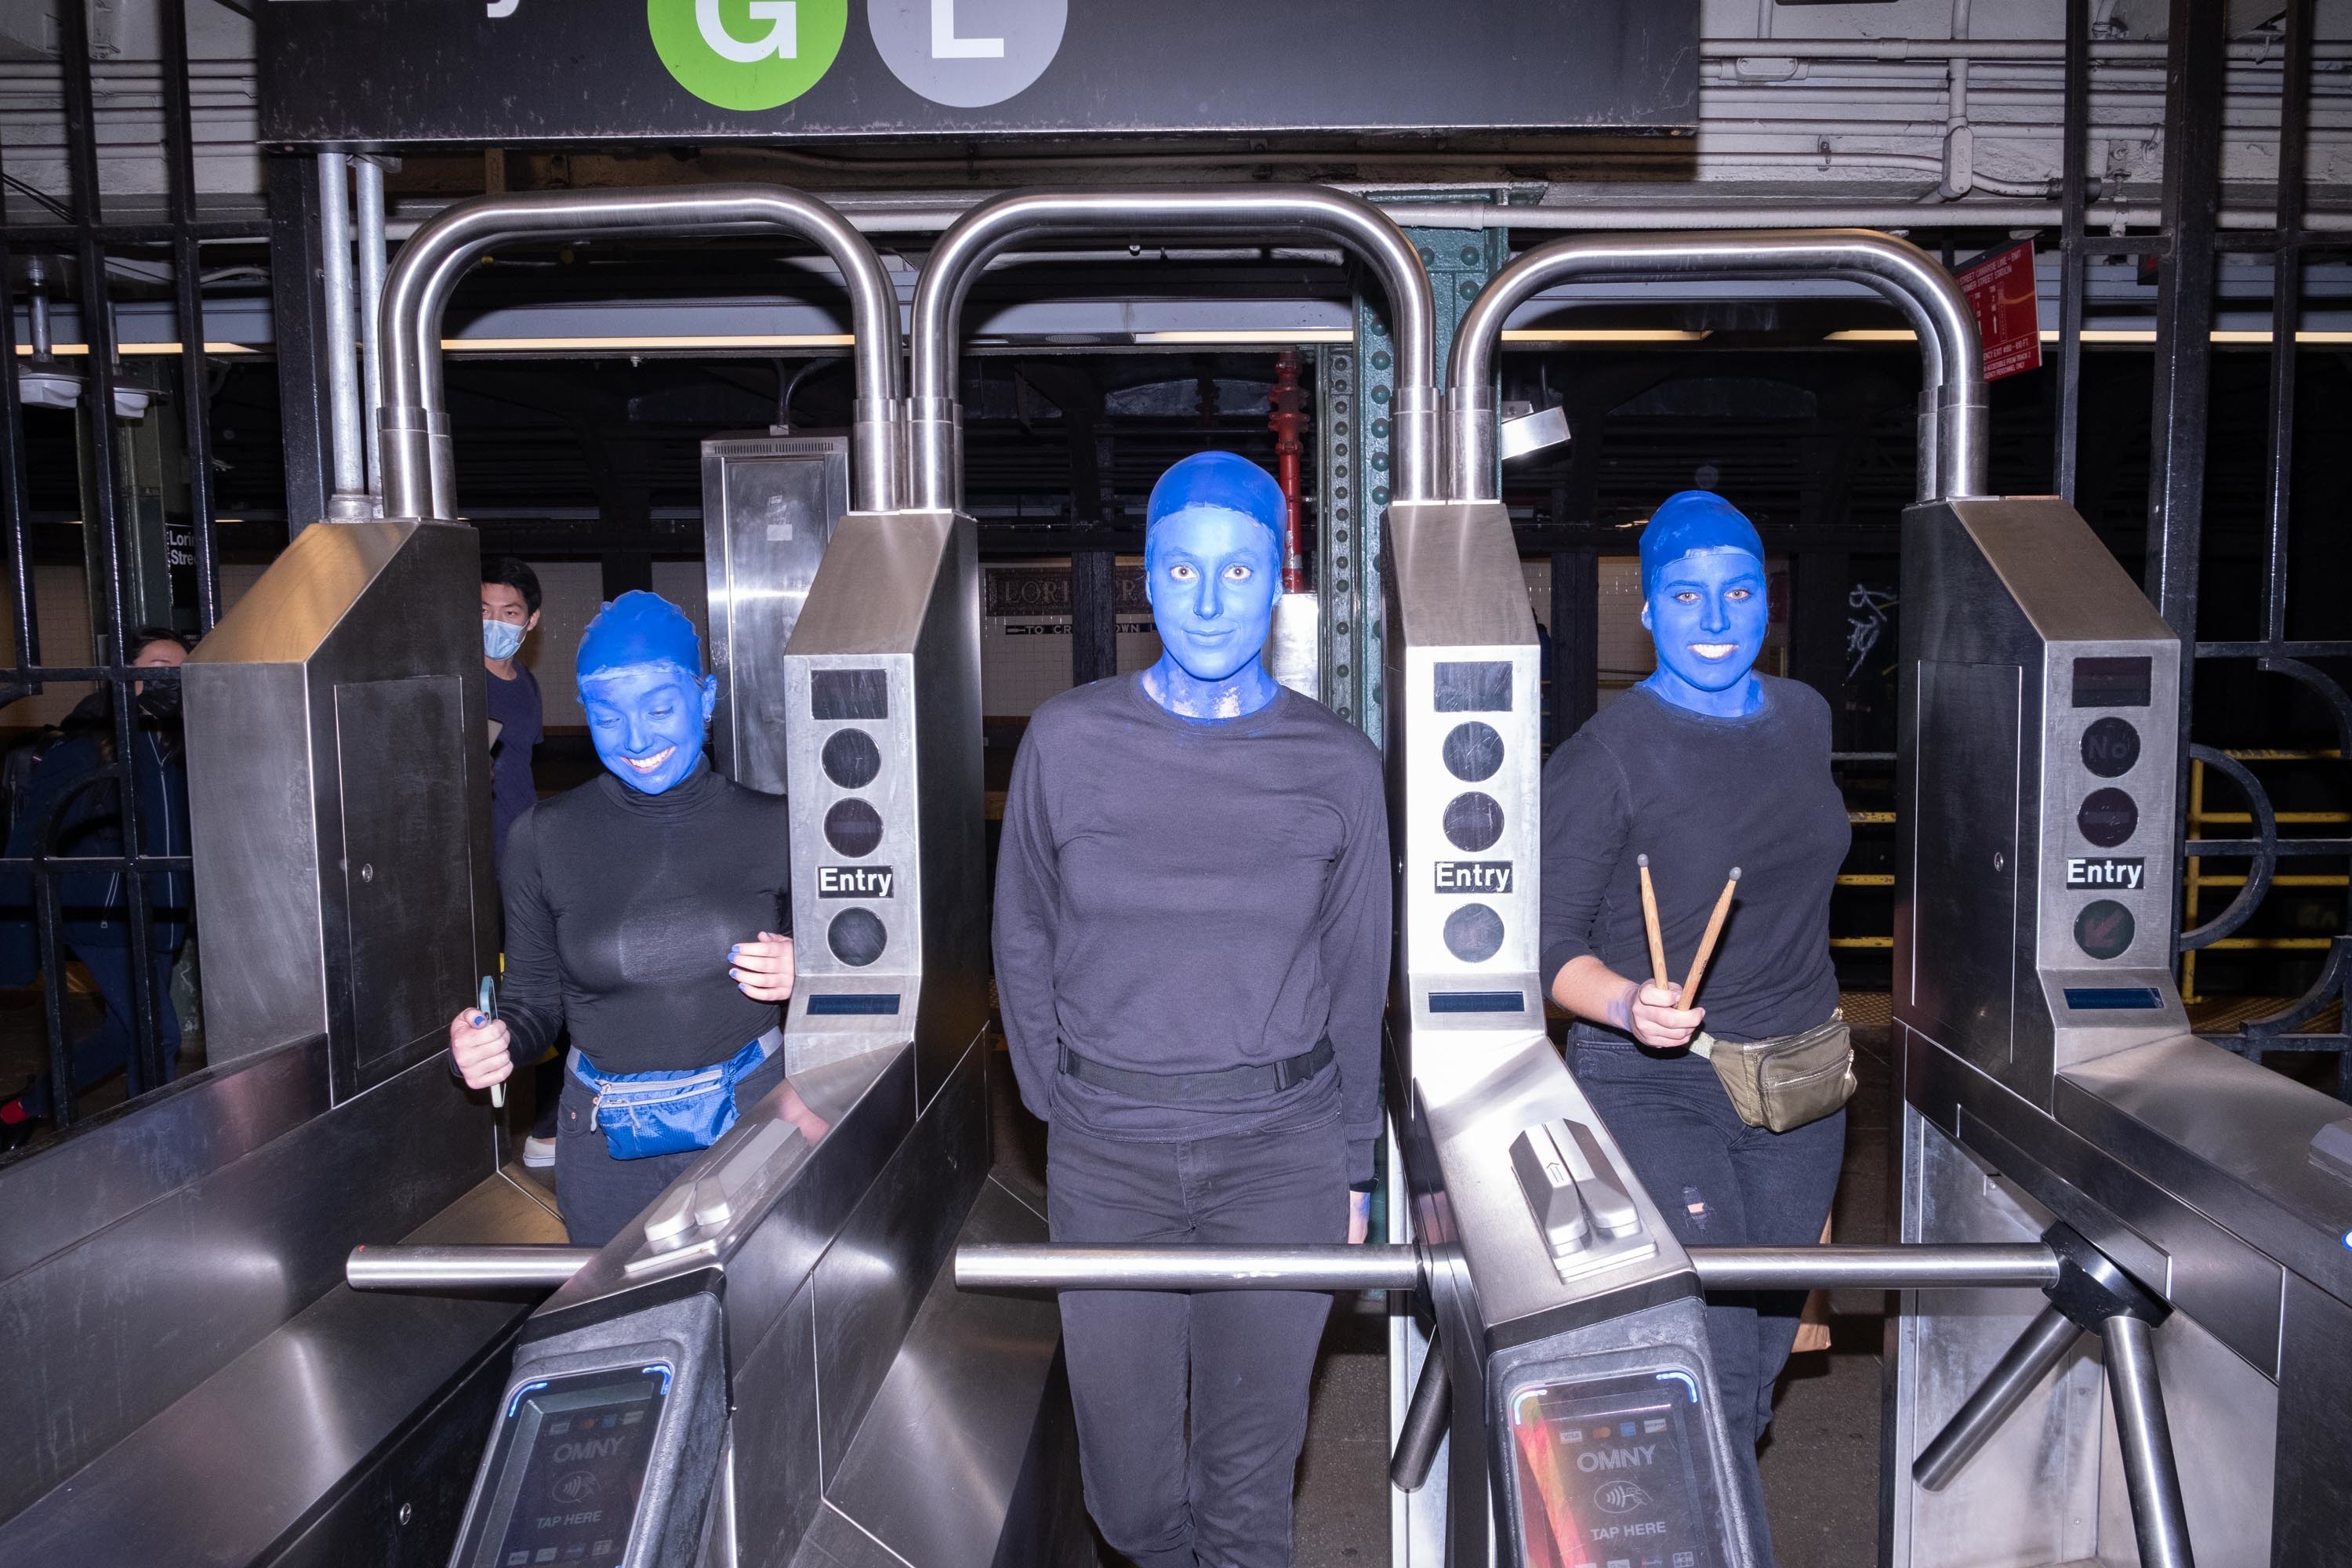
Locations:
column 1212, row 576
column 647, row 720
column 1707, row 611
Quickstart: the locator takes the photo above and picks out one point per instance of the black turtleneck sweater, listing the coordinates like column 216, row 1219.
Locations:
column 620, row 909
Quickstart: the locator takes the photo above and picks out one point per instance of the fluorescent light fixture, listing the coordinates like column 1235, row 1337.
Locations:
column 1250, row 335
column 1602, row 335
column 649, row 344
column 128, row 350
column 1874, row 335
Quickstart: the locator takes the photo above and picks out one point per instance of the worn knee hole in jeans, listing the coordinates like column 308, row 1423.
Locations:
column 1695, row 1204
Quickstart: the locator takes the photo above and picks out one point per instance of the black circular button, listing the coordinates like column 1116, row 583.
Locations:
column 2108, row 818
column 851, row 757
column 1474, row 820
column 852, row 827
column 2103, row 928
column 2110, row 747
column 857, row 937
column 1474, row 933
column 1472, row 751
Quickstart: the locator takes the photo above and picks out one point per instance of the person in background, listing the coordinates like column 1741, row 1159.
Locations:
column 510, row 601
column 94, row 907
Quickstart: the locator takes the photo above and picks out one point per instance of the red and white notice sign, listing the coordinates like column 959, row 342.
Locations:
column 2000, row 287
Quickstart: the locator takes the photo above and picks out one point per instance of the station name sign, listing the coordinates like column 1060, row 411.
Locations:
column 517, row 72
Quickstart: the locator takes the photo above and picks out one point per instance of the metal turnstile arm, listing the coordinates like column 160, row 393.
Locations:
column 2150, row 1477
column 1424, row 1422
column 456, row 1269
column 2018, row 1373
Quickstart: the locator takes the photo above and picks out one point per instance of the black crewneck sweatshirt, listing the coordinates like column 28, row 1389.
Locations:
column 620, row 908
column 1179, row 896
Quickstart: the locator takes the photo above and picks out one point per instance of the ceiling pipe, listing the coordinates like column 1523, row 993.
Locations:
column 995, row 225
column 419, row 479
column 1953, row 433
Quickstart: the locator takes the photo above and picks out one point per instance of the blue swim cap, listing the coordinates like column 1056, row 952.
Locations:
column 638, row 627
column 1692, row 521
column 1222, row 480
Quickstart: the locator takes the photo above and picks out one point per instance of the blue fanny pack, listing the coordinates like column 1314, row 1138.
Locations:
column 643, row 1114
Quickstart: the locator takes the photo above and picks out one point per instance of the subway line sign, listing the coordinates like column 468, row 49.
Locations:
column 512, row 72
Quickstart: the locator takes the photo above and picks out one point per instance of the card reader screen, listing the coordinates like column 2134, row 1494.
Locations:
column 572, row 1468
column 2114, row 682
column 1608, row 1472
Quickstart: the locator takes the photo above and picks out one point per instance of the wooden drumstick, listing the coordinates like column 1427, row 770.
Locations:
column 1650, row 919
column 1706, row 943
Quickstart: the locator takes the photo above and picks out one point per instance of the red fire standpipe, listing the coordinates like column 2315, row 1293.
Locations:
column 1289, row 422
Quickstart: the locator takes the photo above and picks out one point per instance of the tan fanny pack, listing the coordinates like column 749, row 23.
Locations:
column 1786, row 1081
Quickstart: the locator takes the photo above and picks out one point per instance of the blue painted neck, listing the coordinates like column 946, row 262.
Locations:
column 1187, row 696
column 1737, row 701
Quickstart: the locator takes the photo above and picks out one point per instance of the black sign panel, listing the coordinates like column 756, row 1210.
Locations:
column 518, row 71
column 2127, row 872
column 854, row 881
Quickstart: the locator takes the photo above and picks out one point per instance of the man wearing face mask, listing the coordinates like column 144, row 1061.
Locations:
column 510, row 600
column 86, row 819
column 1704, row 766
column 1192, row 954
column 648, row 912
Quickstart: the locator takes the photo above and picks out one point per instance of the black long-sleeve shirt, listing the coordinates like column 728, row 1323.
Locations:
column 1179, row 897
column 620, row 909
column 1700, row 795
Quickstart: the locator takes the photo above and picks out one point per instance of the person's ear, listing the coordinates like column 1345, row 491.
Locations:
column 710, row 697
column 1645, row 617
column 531, row 624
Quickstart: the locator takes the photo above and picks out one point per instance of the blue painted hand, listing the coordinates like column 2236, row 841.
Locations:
column 1212, row 569
column 642, row 686
column 1704, row 604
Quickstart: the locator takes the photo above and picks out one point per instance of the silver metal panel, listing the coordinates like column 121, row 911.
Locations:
column 109, row 1332
column 870, row 1282
column 119, row 1162
column 2230, row 1138
column 960, row 1408
column 777, row 1490
column 769, row 505
column 897, row 596
column 346, row 605
column 2030, row 1495
column 1965, row 844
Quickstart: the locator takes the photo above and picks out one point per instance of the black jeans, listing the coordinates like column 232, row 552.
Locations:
column 1722, row 1183
column 107, row 1051
column 1243, row 1360
column 599, row 1195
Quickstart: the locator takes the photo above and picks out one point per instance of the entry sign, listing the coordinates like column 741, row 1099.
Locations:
column 2001, row 290
column 515, row 72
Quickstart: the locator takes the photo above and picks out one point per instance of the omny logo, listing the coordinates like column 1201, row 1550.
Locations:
column 748, row 54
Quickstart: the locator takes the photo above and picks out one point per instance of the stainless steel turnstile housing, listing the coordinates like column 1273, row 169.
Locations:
column 2048, row 1075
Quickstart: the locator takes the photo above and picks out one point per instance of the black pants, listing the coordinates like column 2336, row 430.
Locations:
column 1721, row 1183
column 599, row 1195
column 1242, row 1359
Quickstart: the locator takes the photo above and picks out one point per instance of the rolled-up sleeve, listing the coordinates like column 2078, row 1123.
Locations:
column 1587, row 816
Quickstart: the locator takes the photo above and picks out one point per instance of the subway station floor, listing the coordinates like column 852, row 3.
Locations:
column 1821, row 1462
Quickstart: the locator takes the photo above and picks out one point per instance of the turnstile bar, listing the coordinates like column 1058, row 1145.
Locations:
column 457, row 1270
column 1980, row 1265
column 2150, row 1477
column 2019, row 1371
column 1327, row 1267
column 1333, row 1267
column 1424, row 1422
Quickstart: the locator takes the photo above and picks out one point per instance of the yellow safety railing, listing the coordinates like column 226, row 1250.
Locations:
column 2194, row 879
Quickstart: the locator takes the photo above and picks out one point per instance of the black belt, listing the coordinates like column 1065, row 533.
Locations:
column 1226, row 1083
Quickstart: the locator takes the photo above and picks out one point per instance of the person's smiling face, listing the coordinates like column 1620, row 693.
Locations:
column 647, row 721
column 1212, row 576
column 1708, row 615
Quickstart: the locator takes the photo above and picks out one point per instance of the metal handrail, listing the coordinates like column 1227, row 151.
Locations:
column 419, row 481
column 1335, row 1267
column 987, row 230
column 1954, row 419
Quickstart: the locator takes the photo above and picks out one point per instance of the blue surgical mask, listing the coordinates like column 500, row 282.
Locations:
column 502, row 639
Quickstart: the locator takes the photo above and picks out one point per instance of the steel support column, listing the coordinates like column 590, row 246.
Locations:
column 2195, row 67
column 299, row 316
column 1575, row 640
column 1094, row 616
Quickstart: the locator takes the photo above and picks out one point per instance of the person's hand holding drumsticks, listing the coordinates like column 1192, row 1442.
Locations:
column 1653, row 1011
